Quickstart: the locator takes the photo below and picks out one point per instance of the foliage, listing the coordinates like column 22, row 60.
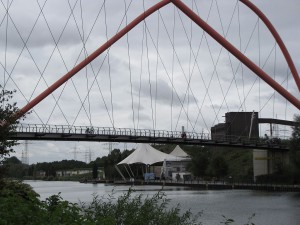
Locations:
column 237, row 163
column 130, row 210
column 240, row 163
column 106, row 161
column 14, row 168
column 200, row 163
column 228, row 221
column 109, row 162
column 12, row 160
column 7, row 122
column 20, row 205
column 51, row 167
column 218, row 167
column 55, row 210
column 95, row 171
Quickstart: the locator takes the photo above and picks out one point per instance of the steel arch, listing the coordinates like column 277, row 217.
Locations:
column 214, row 34
column 278, row 39
column 233, row 50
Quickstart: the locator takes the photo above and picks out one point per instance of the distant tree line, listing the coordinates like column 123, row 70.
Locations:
column 16, row 169
column 205, row 163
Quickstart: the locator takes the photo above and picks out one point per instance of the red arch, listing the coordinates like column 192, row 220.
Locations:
column 89, row 59
column 278, row 39
column 140, row 18
column 246, row 61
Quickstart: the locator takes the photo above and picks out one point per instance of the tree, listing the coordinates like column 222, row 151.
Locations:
column 219, row 166
column 12, row 160
column 8, row 123
column 200, row 162
column 95, row 171
column 14, row 168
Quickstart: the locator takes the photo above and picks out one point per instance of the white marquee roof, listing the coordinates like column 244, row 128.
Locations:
column 179, row 152
column 148, row 155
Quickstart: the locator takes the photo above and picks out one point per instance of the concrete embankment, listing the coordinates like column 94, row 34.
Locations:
column 209, row 185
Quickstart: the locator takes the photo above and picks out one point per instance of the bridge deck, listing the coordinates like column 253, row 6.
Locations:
column 106, row 134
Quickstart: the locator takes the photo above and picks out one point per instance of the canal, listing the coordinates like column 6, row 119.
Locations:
column 270, row 208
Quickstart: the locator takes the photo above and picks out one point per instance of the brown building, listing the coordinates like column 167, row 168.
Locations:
column 237, row 126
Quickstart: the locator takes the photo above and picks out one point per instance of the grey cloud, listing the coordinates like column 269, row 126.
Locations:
column 282, row 15
column 163, row 94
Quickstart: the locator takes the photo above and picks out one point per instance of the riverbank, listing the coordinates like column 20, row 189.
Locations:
column 202, row 185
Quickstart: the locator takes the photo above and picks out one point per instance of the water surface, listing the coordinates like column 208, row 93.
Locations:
column 270, row 208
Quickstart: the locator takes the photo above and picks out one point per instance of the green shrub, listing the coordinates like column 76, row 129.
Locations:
column 19, row 204
column 57, row 211
column 131, row 210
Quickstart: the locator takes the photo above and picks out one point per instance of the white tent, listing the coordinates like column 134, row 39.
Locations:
column 148, row 155
column 178, row 152
column 173, row 168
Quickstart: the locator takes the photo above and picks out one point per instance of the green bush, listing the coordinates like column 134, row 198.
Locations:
column 132, row 210
column 19, row 204
column 57, row 211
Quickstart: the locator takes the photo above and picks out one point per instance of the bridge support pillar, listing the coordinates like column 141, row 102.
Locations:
column 267, row 162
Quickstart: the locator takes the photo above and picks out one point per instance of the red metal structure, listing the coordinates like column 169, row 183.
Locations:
column 246, row 61
column 201, row 23
column 277, row 38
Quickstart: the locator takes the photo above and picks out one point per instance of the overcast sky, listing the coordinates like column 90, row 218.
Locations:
column 166, row 73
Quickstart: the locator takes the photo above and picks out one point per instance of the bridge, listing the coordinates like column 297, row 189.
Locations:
column 127, row 135
column 150, row 66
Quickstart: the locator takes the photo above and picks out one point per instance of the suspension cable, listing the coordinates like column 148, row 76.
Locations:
column 5, row 47
column 141, row 72
column 109, row 70
column 156, row 69
column 246, row 48
column 93, row 72
column 102, row 63
column 177, row 95
column 24, row 46
column 274, row 77
column 149, row 75
column 173, row 59
column 6, row 11
column 86, row 68
column 240, row 48
column 236, row 8
column 129, row 67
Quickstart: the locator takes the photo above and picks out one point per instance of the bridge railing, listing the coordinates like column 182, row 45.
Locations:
column 91, row 131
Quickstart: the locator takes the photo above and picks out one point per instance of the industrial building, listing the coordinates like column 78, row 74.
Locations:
column 238, row 125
